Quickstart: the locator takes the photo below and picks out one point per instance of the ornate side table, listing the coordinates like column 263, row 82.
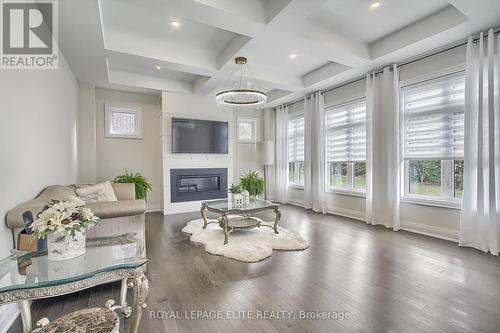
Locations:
column 31, row 277
column 242, row 220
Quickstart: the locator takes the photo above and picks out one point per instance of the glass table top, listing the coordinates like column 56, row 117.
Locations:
column 226, row 205
column 22, row 270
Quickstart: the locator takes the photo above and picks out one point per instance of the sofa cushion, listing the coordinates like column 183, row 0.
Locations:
column 108, row 194
column 110, row 209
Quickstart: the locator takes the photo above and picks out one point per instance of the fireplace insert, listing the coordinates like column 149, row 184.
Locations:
column 198, row 184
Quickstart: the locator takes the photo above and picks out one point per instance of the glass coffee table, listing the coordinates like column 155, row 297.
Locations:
column 242, row 218
column 27, row 276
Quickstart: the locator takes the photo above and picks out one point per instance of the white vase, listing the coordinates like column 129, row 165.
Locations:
column 62, row 247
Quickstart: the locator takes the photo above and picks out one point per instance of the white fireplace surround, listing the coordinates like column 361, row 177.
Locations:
column 176, row 105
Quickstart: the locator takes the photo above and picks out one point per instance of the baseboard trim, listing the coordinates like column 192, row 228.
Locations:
column 410, row 226
column 353, row 214
column 153, row 208
column 429, row 230
column 295, row 203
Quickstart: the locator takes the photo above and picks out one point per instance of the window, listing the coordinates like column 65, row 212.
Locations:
column 346, row 146
column 123, row 122
column 247, row 129
column 296, row 167
column 433, row 138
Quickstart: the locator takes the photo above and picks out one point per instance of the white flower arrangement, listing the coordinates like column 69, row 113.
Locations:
column 66, row 217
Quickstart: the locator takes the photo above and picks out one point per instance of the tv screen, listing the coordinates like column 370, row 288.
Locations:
column 194, row 136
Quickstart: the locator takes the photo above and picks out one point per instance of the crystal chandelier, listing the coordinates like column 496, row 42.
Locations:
column 241, row 91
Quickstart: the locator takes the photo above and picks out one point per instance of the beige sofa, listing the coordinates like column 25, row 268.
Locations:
column 117, row 217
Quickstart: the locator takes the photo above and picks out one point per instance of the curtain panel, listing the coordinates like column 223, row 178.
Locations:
column 281, row 153
column 480, row 216
column 383, row 156
column 315, row 151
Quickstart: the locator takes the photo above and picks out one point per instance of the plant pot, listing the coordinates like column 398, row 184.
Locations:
column 246, row 197
column 237, row 199
column 62, row 247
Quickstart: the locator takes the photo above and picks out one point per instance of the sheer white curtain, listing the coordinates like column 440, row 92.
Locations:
column 480, row 217
column 281, row 153
column 315, row 185
column 383, row 159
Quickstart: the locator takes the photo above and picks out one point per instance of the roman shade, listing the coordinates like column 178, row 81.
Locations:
column 346, row 132
column 433, row 113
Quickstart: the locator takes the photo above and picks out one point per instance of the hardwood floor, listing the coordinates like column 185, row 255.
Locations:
column 387, row 281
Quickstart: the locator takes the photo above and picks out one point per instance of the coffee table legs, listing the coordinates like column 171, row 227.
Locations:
column 277, row 220
column 126, row 309
column 225, row 223
column 140, row 289
column 24, row 308
column 204, row 216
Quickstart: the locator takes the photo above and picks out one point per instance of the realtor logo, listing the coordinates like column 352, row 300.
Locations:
column 29, row 32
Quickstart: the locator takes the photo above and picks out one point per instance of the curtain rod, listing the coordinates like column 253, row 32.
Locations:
column 404, row 63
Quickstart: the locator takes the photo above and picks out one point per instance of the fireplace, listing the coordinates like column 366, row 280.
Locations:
column 197, row 184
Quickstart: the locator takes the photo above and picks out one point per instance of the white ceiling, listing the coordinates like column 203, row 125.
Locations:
column 372, row 24
column 119, row 43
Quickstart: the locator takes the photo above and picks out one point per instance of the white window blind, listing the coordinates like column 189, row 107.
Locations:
column 346, row 132
column 122, row 122
column 434, row 119
column 296, row 139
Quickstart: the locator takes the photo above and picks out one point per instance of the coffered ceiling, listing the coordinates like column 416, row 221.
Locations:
column 188, row 46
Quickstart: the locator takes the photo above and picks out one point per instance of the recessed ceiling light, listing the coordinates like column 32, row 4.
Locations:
column 158, row 67
column 292, row 56
column 175, row 24
column 375, row 4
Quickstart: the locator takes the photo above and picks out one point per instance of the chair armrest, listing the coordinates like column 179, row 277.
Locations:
column 124, row 191
column 110, row 209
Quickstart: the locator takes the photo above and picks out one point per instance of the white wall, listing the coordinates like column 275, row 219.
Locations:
column 196, row 107
column 248, row 155
column 435, row 221
column 38, row 133
column 87, row 145
column 114, row 155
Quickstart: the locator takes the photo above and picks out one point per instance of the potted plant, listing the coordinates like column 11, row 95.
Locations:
column 236, row 196
column 64, row 224
column 252, row 182
column 142, row 185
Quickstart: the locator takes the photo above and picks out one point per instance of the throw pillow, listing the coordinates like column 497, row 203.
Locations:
column 75, row 199
column 106, row 188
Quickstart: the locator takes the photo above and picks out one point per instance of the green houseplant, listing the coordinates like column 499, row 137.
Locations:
column 235, row 188
column 237, row 198
column 142, row 185
column 252, row 182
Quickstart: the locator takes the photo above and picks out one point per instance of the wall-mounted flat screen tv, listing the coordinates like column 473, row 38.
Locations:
column 195, row 136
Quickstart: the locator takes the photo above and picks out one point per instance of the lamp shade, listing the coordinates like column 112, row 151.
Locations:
column 268, row 152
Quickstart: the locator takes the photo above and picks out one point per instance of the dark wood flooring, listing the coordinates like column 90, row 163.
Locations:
column 387, row 281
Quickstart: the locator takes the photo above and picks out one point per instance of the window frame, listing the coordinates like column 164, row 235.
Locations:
column 298, row 186
column 295, row 185
column 255, row 128
column 447, row 198
column 351, row 190
column 109, row 109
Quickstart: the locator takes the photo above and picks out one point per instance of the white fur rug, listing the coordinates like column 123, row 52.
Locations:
column 244, row 245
